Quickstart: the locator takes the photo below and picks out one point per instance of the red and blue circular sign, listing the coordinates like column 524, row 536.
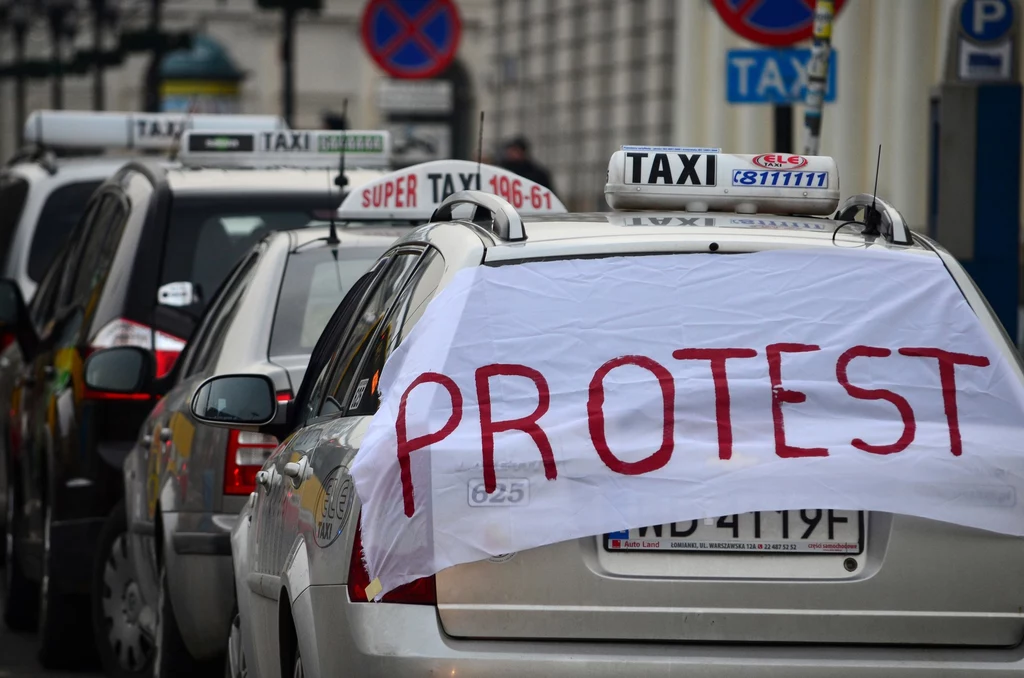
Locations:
column 412, row 38
column 777, row 23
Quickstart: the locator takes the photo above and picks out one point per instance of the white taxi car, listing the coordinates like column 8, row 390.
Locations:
column 527, row 554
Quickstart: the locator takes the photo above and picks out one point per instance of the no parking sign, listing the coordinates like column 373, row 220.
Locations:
column 776, row 23
column 411, row 38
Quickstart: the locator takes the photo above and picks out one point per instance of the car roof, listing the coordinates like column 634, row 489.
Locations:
column 70, row 169
column 308, row 235
column 281, row 179
column 602, row 233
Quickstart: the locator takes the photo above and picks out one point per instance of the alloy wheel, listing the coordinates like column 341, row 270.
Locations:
column 124, row 610
column 236, row 655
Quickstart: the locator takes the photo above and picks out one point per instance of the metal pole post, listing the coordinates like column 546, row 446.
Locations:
column 20, row 19
column 152, row 102
column 783, row 119
column 56, row 58
column 287, row 64
column 817, row 74
column 99, row 9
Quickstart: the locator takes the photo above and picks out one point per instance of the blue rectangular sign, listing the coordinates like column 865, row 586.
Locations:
column 772, row 76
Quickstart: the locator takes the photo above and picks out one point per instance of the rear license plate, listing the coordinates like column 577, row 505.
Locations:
column 815, row 531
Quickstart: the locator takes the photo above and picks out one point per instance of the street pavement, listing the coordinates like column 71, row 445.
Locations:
column 18, row 657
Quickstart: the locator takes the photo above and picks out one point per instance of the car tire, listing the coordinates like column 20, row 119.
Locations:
column 171, row 657
column 119, row 613
column 62, row 617
column 235, row 664
column 19, row 595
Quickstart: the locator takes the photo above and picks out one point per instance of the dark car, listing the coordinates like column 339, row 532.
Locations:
column 154, row 245
column 186, row 481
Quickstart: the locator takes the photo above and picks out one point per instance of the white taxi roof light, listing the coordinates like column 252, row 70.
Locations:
column 124, row 130
column 706, row 180
column 414, row 192
column 302, row 148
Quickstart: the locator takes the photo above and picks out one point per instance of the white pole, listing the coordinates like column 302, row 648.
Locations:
column 817, row 75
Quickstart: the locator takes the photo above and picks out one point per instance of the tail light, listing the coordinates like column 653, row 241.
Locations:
column 242, row 461
column 6, row 339
column 423, row 591
column 166, row 347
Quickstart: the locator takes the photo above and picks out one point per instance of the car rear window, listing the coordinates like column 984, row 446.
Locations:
column 13, row 193
column 206, row 236
column 61, row 212
column 315, row 281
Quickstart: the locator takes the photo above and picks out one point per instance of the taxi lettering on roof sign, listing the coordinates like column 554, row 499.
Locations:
column 703, row 179
column 299, row 148
column 415, row 192
column 110, row 129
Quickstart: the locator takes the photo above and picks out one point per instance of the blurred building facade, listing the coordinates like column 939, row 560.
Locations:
column 582, row 77
column 330, row 63
column 577, row 78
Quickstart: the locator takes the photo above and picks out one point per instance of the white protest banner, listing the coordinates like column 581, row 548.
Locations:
column 609, row 394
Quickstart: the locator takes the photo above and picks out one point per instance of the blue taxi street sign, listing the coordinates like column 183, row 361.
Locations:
column 772, row 76
column 986, row 20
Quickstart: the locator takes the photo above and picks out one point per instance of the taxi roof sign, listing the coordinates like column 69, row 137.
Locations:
column 703, row 180
column 125, row 130
column 414, row 192
column 285, row 148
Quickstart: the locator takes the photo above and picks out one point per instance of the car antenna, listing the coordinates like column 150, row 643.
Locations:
column 175, row 147
column 341, row 180
column 479, row 149
column 872, row 217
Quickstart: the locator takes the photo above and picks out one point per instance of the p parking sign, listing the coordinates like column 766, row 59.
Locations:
column 986, row 21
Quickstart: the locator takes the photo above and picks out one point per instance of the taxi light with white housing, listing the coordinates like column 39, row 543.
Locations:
column 413, row 193
column 706, row 180
column 123, row 130
column 307, row 149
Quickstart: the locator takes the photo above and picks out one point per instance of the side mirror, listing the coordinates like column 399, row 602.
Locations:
column 14, row 316
column 122, row 369
column 235, row 400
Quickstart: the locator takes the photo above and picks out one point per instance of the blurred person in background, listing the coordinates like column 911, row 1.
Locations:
column 516, row 158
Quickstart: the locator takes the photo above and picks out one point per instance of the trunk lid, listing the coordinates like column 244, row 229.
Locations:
column 915, row 582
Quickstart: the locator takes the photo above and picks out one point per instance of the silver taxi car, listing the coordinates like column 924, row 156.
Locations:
column 168, row 583
column 911, row 604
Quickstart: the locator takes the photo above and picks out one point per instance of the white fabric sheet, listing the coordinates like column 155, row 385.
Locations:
column 611, row 462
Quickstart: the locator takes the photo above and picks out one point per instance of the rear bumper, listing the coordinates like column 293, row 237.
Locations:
column 363, row 639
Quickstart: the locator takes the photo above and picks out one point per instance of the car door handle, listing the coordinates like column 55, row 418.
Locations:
column 166, row 434
column 296, row 470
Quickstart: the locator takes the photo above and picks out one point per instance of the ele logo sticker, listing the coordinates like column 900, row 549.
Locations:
column 780, row 161
column 332, row 507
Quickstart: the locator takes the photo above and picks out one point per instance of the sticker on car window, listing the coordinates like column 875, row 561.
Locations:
column 357, row 397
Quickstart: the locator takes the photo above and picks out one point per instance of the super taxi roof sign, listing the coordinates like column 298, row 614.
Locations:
column 285, row 148
column 122, row 130
column 703, row 179
column 413, row 193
